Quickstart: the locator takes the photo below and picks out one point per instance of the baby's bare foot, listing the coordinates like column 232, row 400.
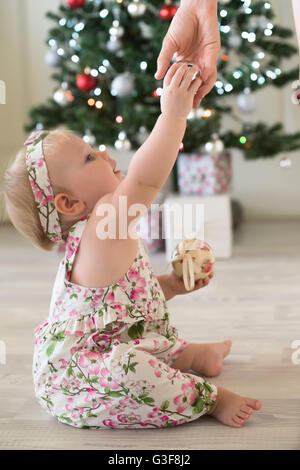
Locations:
column 233, row 410
column 208, row 358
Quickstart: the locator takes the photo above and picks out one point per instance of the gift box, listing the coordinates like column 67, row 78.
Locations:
column 149, row 229
column 204, row 174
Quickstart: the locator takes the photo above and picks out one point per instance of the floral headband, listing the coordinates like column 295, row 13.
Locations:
column 41, row 186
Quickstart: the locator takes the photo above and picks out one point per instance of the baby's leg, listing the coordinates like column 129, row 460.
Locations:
column 206, row 359
column 176, row 398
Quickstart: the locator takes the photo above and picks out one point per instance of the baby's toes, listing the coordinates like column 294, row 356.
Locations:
column 243, row 415
column 238, row 421
column 255, row 404
column 247, row 409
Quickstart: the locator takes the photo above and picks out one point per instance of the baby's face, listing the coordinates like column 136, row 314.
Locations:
column 86, row 174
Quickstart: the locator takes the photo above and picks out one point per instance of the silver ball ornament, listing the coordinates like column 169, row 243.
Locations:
column 136, row 8
column 52, row 59
column 122, row 85
column 246, row 101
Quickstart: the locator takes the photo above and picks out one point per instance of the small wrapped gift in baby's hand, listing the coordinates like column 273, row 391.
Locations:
column 192, row 262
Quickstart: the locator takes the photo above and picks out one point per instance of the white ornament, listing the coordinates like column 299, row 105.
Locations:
column 142, row 135
column 192, row 259
column 234, row 41
column 146, row 31
column 122, row 85
column 136, row 8
column 246, row 101
column 123, row 144
column 61, row 97
column 215, row 146
column 114, row 44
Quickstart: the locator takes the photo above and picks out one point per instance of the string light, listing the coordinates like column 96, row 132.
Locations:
column 237, row 74
column 102, row 69
column 79, row 27
column 119, row 119
column 255, row 64
column 243, row 139
column 103, row 13
column 207, row 113
column 91, row 101
column 99, row 104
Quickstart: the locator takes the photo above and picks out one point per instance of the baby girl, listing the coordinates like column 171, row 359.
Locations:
column 107, row 354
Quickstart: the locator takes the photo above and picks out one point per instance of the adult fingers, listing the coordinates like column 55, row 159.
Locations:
column 204, row 90
column 165, row 56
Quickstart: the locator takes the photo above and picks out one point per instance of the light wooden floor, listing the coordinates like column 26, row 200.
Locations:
column 254, row 300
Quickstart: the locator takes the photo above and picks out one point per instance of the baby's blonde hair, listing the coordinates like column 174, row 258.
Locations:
column 19, row 199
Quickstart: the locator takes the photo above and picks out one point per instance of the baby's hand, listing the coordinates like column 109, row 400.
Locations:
column 179, row 89
column 176, row 284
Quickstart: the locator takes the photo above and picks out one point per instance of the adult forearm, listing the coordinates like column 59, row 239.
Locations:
column 164, row 284
column 154, row 160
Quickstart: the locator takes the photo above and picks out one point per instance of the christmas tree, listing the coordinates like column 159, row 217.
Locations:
column 105, row 55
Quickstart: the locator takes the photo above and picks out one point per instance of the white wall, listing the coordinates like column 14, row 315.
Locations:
column 265, row 190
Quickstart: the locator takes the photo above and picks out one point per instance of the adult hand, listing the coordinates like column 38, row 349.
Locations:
column 194, row 37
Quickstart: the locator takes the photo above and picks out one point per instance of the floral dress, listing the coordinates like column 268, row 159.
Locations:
column 103, row 357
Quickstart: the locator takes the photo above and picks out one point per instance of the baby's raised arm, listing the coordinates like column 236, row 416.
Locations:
column 152, row 163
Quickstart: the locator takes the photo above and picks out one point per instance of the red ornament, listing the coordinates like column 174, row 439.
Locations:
column 167, row 12
column 298, row 95
column 86, row 82
column 75, row 3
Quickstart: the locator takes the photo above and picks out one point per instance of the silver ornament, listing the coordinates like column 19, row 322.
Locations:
column 61, row 97
column 136, row 8
column 146, row 31
column 52, row 59
column 215, row 146
column 123, row 144
column 122, row 85
column 234, row 41
column 142, row 135
column 114, row 44
column 246, row 101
